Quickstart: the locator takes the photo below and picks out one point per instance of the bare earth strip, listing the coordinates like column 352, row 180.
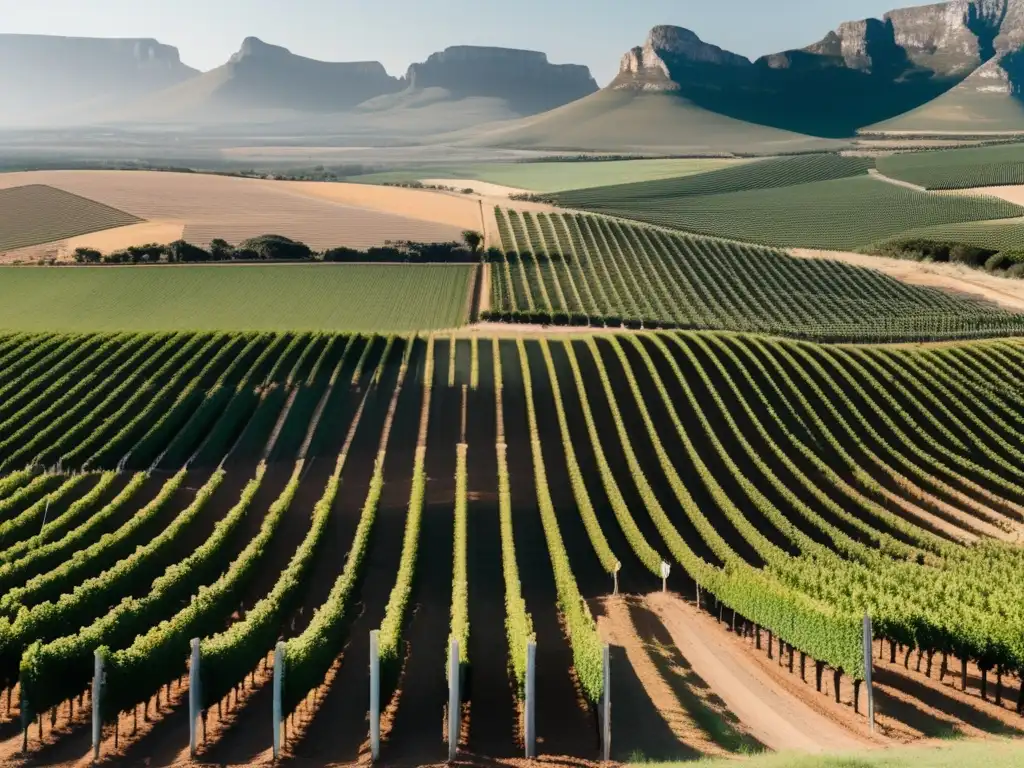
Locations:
column 1005, row 292
column 777, row 718
column 873, row 172
column 1011, row 193
column 323, row 215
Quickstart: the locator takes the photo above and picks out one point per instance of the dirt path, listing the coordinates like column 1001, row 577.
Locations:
column 774, row 716
column 873, row 172
column 1005, row 292
column 649, row 718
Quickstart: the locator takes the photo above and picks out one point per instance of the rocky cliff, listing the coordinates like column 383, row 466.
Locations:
column 525, row 79
column 651, row 67
column 42, row 77
column 863, row 72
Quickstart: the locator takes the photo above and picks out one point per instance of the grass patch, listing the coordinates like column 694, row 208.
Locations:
column 36, row 214
column 294, row 297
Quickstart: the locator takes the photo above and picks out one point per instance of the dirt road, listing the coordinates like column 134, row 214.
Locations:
column 775, row 717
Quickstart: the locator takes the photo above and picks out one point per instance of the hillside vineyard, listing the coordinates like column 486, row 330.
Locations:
column 596, row 270
column 239, row 488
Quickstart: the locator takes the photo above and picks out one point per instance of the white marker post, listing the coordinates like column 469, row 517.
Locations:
column 454, row 704
column 615, row 574
column 194, row 698
column 666, row 569
column 606, row 707
column 278, row 695
column 97, row 715
column 869, row 662
column 531, row 701
column 375, row 695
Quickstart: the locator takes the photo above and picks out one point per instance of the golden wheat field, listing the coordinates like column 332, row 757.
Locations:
column 203, row 207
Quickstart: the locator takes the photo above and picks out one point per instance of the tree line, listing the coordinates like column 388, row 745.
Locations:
column 280, row 248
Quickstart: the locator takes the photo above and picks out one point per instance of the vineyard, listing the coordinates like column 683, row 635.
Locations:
column 958, row 168
column 840, row 214
column 336, row 297
column 303, row 489
column 579, row 269
column 997, row 235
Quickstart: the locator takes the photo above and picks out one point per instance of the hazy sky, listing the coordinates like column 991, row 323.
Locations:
column 397, row 32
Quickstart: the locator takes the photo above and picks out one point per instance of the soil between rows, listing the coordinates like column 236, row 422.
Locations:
column 338, row 729
column 564, row 725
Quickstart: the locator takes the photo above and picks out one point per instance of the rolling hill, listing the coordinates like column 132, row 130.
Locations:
column 988, row 101
column 639, row 121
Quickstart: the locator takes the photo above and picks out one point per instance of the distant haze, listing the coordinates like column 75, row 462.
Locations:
column 399, row 32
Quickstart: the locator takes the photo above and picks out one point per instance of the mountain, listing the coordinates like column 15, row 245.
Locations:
column 990, row 100
column 861, row 73
column 638, row 120
column 648, row 106
column 459, row 86
column 46, row 79
column 265, row 82
column 525, row 80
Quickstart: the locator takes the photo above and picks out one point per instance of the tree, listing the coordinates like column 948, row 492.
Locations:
column 220, row 250
column 473, row 240
column 87, row 256
column 182, row 251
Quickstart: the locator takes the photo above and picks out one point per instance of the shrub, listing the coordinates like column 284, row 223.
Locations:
column 88, row 256
column 1017, row 270
column 969, row 254
column 272, row 247
column 186, row 252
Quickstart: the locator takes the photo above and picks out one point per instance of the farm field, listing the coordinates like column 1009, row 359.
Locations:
column 37, row 213
column 581, row 269
column 334, row 297
column 558, row 176
column 1002, row 234
column 312, row 487
column 958, row 168
column 763, row 174
column 842, row 214
column 208, row 206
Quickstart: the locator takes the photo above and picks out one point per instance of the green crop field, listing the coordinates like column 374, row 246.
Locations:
column 36, row 214
column 597, row 270
column 337, row 297
column 1000, row 235
column 558, row 176
column 843, row 214
column 762, row 174
column 958, row 168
